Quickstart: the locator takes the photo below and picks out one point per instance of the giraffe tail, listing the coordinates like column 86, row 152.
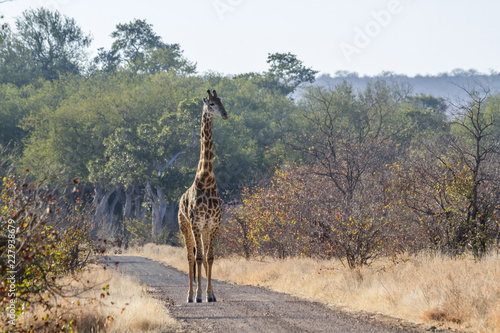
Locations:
column 194, row 265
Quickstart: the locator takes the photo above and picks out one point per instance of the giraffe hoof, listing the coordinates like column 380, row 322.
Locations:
column 190, row 300
column 211, row 299
column 198, row 299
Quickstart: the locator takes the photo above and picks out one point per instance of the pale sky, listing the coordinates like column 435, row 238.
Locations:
column 365, row 36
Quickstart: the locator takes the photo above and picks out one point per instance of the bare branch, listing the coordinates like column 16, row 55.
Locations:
column 173, row 158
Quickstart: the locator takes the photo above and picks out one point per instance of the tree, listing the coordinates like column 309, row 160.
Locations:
column 107, row 61
column 46, row 44
column 138, row 48
column 287, row 72
column 452, row 185
column 12, row 110
column 131, row 161
column 422, row 115
column 476, row 144
column 351, row 135
column 350, row 141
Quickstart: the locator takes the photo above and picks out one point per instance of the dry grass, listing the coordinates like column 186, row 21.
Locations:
column 463, row 294
column 127, row 308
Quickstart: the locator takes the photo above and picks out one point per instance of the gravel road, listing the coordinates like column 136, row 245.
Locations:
column 249, row 309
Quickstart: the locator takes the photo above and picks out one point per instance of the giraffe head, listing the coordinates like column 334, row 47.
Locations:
column 213, row 105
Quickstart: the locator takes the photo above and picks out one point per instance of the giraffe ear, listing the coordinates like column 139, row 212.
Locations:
column 205, row 100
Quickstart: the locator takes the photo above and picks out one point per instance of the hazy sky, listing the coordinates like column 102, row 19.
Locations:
column 366, row 36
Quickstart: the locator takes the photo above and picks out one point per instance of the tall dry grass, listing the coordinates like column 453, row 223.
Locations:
column 125, row 307
column 458, row 293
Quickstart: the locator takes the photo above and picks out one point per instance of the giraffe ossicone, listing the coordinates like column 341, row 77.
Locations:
column 200, row 207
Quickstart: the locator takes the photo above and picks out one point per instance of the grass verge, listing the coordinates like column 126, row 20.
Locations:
column 106, row 301
column 458, row 293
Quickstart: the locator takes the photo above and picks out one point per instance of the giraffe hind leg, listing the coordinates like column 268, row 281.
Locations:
column 192, row 273
column 206, row 245
column 199, row 261
column 191, row 251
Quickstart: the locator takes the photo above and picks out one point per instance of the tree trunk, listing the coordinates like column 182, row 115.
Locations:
column 127, row 207
column 100, row 201
column 170, row 219
column 139, row 210
column 158, row 209
column 111, row 210
column 163, row 206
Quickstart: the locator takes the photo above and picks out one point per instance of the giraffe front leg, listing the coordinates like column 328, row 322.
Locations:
column 210, row 262
column 199, row 261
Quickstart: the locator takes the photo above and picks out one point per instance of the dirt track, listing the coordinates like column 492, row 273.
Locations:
column 249, row 309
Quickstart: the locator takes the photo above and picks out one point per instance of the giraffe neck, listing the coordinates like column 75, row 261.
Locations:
column 205, row 174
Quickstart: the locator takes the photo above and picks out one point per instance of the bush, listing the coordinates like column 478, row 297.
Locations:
column 436, row 196
column 138, row 232
column 43, row 239
column 298, row 213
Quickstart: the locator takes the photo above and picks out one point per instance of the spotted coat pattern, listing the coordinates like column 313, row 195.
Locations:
column 200, row 208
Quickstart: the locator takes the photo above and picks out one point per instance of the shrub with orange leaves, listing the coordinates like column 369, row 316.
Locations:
column 43, row 239
column 298, row 213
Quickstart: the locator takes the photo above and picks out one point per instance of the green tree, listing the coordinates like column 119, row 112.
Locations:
column 45, row 45
column 287, row 72
column 111, row 131
column 12, row 110
column 138, row 48
column 68, row 122
column 421, row 116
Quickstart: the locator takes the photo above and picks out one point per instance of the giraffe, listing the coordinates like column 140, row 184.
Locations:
column 200, row 207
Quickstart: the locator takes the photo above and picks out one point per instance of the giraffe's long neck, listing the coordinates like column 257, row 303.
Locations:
column 205, row 174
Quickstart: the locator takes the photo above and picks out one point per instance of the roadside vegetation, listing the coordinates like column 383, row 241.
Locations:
column 125, row 307
column 359, row 187
column 51, row 279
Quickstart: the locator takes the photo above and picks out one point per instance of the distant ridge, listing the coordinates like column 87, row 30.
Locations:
column 446, row 85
